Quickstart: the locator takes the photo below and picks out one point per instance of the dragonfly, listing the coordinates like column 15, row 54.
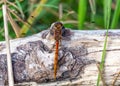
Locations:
column 56, row 30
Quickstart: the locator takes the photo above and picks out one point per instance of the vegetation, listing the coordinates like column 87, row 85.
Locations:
column 33, row 16
column 27, row 17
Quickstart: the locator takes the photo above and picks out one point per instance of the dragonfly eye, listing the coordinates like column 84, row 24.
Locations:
column 58, row 24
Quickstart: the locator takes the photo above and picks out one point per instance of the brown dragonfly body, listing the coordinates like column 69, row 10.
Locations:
column 56, row 30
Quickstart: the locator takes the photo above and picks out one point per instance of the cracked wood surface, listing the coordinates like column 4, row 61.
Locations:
column 32, row 58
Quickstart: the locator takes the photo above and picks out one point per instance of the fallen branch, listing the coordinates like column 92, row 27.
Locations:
column 32, row 59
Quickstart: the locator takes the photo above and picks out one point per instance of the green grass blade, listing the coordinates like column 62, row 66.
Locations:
column 107, row 13
column 20, row 8
column 103, row 58
column 82, row 13
column 116, row 15
column 93, row 6
column 51, row 4
column 93, row 10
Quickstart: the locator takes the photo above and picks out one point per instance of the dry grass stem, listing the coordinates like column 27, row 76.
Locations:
column 115, row 79
column 9, row 62
column 101, row 75
column 16, row 28
column 60, row 11
column 21, row 20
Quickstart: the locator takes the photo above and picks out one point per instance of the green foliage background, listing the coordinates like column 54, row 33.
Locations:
column 33, row 16
column 77, row 14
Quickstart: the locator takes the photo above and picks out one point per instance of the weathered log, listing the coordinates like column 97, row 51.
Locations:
column 32, row 58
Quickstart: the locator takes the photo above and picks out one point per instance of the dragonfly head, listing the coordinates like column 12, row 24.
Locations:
column 56, row 26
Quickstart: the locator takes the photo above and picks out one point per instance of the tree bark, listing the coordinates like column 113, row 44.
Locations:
column 33, row 59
